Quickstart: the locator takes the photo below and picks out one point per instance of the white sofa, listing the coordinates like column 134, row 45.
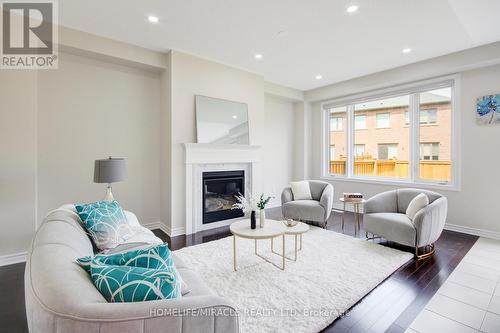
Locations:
column 60, row 296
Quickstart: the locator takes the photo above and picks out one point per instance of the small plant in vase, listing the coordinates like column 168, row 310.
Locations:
column 261, row 204
column 247, row 206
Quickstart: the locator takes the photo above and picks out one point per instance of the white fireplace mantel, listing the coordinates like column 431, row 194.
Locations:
column 205, row 157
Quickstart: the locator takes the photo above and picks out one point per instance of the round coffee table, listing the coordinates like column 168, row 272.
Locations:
column 271, row 230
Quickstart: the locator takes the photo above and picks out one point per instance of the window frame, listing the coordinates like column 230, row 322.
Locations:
column 377, row 114
column 427, row 122
column 431, row 145
column 337, row 122
column 413, row 90
column 364, row 122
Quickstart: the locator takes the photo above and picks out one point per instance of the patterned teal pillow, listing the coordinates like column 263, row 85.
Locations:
column 157, row 257
column 135, row 284
column 105, row 222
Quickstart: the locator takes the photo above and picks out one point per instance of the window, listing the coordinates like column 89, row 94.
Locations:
column 381, row 156
column 412, row 151
column 426, row 116
column 336, row 123
column 429, row 151
column 387, row 151
column 360, row 122
column 383, row 120
column 435, row 149
column 359, row 150
column 337, row 141
column 333, row 154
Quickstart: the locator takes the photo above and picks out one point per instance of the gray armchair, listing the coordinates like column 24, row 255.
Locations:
column 316, row 210
column 384, row 216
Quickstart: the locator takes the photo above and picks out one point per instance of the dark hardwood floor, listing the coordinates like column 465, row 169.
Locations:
column 391, row 307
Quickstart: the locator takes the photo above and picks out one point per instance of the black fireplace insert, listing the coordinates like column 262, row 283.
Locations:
column 220, row 189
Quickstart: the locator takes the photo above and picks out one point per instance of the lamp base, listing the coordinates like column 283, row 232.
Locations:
column 109, row 194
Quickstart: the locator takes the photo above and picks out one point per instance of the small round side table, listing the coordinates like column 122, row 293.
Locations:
column 357, row 204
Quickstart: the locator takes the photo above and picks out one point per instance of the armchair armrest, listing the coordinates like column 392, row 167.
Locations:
column 429, row 221
column 286, row 195
column 326, row 200
column 385, row 202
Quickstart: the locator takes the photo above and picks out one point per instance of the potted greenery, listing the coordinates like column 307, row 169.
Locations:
column 261, row 204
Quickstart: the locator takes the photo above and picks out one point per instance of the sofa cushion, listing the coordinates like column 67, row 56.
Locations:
column 105, row 222
column 301, row 190
column 156, row 257
column 406, row 195
column 417, row 203
column 135, row 284
column 393, row 226
column 310, row 210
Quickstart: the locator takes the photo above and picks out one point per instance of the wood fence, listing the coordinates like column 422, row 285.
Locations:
column 430, row 170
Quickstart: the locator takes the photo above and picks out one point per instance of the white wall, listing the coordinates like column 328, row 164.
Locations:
column 166, row 143
column 475, row 207
column 17, row 160
column 90, row 109
column 195, row 76
column 302, row 141
column 55, row 123
column 279, row 146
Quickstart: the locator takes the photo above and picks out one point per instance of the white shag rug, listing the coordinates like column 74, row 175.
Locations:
column 331, row 274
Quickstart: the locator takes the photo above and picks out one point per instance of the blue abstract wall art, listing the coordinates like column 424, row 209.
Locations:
column 488, row 109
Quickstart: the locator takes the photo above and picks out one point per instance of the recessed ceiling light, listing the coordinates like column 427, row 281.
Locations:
column 258, row 56
column 153, row 19
column 406, row 50
column 235, row 117
column 352, row 9
column 319, row 77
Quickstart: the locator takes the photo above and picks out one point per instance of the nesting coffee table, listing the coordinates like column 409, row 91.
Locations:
column 271, row 230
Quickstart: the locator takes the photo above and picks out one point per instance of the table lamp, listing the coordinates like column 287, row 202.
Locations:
column 110, row 170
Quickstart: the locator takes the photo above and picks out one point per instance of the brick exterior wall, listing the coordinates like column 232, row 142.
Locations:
column 398, row 132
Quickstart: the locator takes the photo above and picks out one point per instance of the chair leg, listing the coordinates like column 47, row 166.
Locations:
column 425, row 255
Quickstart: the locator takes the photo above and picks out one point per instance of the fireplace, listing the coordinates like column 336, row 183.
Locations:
column 219, row 194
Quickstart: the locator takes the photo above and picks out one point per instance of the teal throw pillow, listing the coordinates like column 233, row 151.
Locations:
column 135, row 284
column 156, row 257
column 105, row 222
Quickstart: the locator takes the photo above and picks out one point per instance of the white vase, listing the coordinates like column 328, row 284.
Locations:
column 262, row 218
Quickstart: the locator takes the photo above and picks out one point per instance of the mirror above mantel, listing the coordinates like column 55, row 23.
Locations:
column 220, row 121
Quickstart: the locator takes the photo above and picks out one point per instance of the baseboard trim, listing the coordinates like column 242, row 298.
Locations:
column 170, row 232
column 179, row 231
column 11, row 259
column 473, row 231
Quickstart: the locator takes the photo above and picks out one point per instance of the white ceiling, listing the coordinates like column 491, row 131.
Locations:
column 319, row 37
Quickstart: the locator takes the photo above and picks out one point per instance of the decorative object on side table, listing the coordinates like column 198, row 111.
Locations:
column 261, row 204
column 110, row 170
column 247, row 205
column 488, row 109
column 290, row 223
column 253, row 222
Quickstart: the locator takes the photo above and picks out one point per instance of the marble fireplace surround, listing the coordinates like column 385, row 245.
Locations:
column 206, row 157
